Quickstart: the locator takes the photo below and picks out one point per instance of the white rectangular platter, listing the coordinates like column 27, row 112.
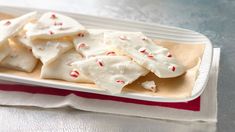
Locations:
column 153, row 31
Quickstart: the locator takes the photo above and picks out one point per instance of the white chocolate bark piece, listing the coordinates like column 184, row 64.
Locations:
column 62, row 69
column 5, row 49
column 50, row 50
column 92, row 43
column 10, row 27
column 111, row 73
column 54, row 25
column 46, row 50
column 146, row 53
column 20, row 58
column 23, row 39
column 150, row 85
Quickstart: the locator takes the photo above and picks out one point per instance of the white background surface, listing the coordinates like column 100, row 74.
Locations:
column 68, row 119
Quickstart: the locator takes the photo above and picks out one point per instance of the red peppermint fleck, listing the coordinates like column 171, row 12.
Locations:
column 122, row 37
column 53, row 16
column 51, row 33
column 120, row 81
column 142, row 50
column 169, row 54
column 74, row 73
column 173, row 68
column 81, row 35
column 99, row 62
column 150, row 56
column 81, row 45
column 7, row 23
column 111, row 53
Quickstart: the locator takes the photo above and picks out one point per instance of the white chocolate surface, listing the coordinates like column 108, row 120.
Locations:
column 62, row 69
column 54, row 25
column 10, row 27
column 46, row 50
column 19, row 58
column 4, row 50
column 92, row 43
column 111, row 73
column 145, row 52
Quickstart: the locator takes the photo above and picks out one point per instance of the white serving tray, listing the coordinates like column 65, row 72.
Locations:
column 154, row 31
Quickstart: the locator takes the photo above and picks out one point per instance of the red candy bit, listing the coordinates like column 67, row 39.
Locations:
column 150, row 56
column 142, row 50
column 81, row 45
column 53, row 16
column 99, row 62
column 169, row 54
column 122, row 37
column 111, row 53
column 120, row 81
column 51, row 33
column 173, row 68
column 74, row 73
column 81, row 35
column 7, row 23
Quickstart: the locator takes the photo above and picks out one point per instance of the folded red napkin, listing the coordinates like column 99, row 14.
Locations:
column 193, row 105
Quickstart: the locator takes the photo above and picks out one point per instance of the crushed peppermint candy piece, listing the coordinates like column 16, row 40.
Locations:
column 142, row 50
column 150, row 56
column 51, row 33
column 99, row 62
column 81, row 35
column 120, row 81
column 172, row 68
column 150, row 85
column 81, row 45
column 169, row 54
column 53, row 16
column 7, row 23
column 74, row 73
column 111, row 53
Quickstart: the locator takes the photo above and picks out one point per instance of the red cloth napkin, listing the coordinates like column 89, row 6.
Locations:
column 193, row 105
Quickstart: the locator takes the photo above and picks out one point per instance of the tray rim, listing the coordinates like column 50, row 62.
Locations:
column 198, row 88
